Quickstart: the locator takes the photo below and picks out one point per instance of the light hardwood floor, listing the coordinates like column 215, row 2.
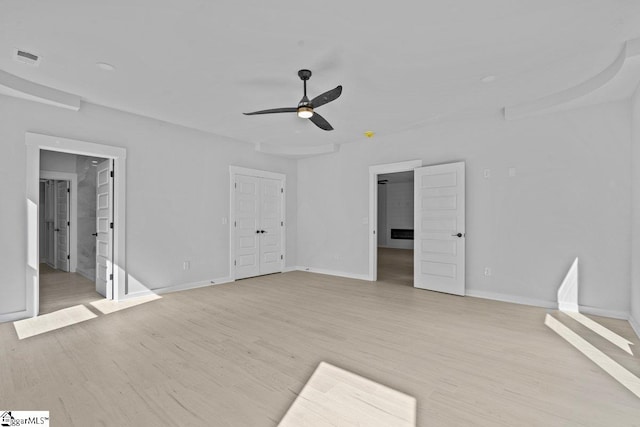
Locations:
column 60, row 290
column 395, row 266
column 238, row 354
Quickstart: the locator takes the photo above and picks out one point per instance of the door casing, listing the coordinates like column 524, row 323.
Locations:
column 73, row 232
column 36, row 142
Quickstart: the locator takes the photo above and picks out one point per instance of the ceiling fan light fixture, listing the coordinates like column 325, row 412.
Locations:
column 305, row 112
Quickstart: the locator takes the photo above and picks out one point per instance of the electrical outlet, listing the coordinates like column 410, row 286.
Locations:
column 224, row 220
column 486, row 173
column 487, row 271
column 186, row 265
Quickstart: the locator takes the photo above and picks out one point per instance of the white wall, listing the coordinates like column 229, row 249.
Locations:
column 399, row 207
column 177, row 193
column 635, row 224
column 570, row 197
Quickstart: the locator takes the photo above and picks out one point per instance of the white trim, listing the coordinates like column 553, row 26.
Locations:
column 16, row 315
column 634, row 325
column 290, row 269
column 514, row 299
column 177, row 288
column 238, row 170
column 374, row 171
column 614, row 314
column 36, row 142
column 511, row 299
column 73, row 215
column 333, row 273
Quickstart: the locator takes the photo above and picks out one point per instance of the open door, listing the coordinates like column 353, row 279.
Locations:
column 439, row 228
column 62, row 213
column 104, row 229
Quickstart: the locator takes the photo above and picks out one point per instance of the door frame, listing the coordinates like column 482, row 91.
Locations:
column 36, row 142
column 238, row 170
column 374, row 171
column 73, row 215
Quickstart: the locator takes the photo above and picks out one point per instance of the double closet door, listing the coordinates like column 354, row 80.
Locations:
column 258, row 226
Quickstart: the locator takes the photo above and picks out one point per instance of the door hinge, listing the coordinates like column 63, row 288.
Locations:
column 282, row 190
column 68, row 223
column 234, row 262
column 68, row 191
column 111, row 277
column 111, row 174
column 68, row 256
column 111, row 225
column 235, row 185
column 281, row 256
column 281, row 223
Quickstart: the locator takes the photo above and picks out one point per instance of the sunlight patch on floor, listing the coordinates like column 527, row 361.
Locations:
column 622, row 375
column 605, row 333
column 109, row 306
column 335, row 397
column 48, row 322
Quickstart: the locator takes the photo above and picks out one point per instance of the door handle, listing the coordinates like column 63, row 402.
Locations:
column 257, row 231
column 458, row 235
column 94, row 234
column 57, row 229
column 262, row 231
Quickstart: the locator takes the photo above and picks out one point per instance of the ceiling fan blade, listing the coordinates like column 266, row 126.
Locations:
column 326, row 97
column 273, row 110
column 319, row 121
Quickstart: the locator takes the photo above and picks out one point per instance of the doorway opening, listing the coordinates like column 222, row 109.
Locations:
column 109, row 260
column 68, row 230
column 395, row 228
column 375, row 207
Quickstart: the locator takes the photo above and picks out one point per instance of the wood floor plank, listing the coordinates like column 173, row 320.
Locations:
column 238, row 354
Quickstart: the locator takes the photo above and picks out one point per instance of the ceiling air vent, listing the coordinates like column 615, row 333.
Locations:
column 26, row 57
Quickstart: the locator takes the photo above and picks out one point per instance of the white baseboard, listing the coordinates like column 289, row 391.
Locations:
column 334, row 273
column 16, row 315
column 614, row 314
column 176, row 288
column 290, row 269
column 511, row 298
column 635, row 325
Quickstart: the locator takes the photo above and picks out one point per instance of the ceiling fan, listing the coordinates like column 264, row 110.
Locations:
column 305, row 108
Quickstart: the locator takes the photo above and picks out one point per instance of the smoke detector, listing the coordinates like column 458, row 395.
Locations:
column 25, row 57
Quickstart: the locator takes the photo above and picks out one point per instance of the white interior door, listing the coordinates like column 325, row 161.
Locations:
column 270, row 226
column 258, row 226
column 439, row 229
column 62, row 212
column 50, row 223
column 247, row 223
column 104, row 229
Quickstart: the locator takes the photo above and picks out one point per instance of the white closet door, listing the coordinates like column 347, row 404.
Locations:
column 439, row 236
column 62, row 225
column 270, row 226
column 104, row 239
column 247, row 240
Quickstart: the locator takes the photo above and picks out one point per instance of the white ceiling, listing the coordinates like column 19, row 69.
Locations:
column 403, row 64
